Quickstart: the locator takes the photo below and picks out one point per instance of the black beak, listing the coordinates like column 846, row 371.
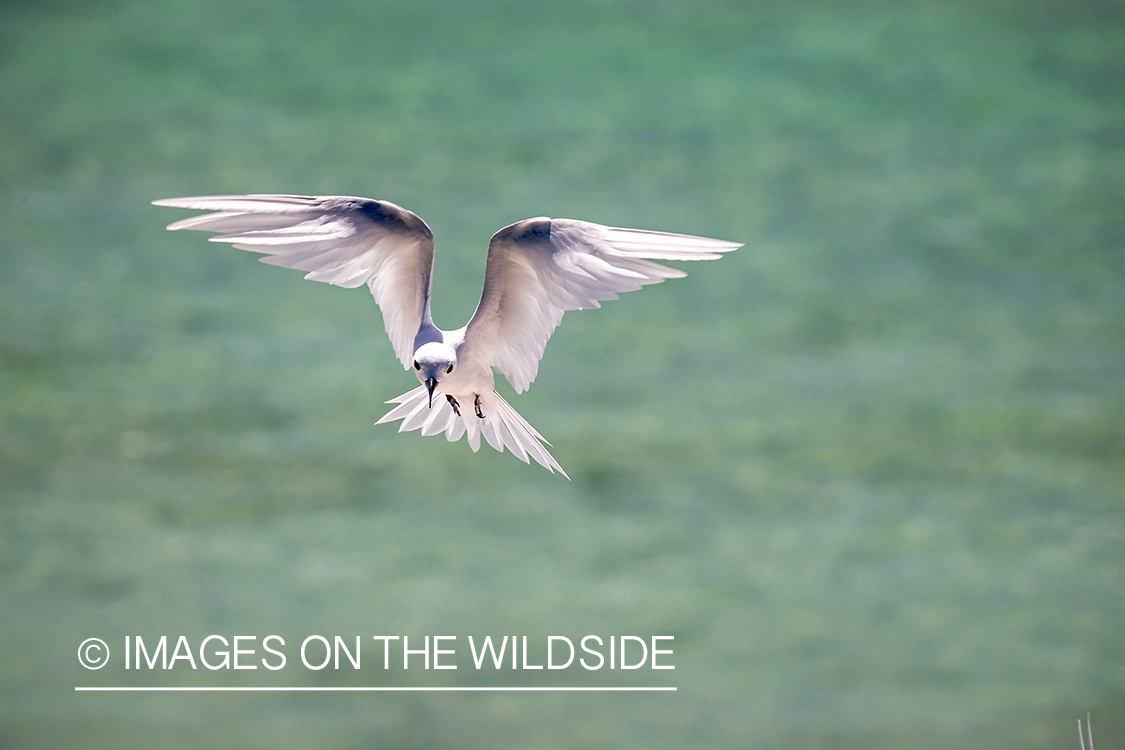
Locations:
column 431, row 383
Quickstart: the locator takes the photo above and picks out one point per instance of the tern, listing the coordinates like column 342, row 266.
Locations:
column 537, row 269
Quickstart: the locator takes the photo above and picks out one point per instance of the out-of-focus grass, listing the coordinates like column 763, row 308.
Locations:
column 868, row 470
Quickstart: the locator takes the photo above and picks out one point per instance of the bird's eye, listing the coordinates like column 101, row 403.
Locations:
column 449, row 369
column 417, row 366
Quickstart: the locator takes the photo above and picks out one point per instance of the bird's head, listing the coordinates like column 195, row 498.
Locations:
column 432, row 362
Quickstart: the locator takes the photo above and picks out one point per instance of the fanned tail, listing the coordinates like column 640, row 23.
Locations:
column 503, row 428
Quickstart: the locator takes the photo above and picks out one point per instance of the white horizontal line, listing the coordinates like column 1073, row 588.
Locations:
column 369, row 689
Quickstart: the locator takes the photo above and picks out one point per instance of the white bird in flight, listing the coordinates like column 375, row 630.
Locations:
column 537, row 269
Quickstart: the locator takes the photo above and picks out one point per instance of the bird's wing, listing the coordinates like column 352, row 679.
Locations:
column 539, row 268
column 339, row 240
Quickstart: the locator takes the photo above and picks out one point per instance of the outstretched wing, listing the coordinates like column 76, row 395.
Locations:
column 339, row 240
column 539, row 268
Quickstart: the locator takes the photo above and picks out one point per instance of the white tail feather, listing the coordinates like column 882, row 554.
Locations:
column 504, row 428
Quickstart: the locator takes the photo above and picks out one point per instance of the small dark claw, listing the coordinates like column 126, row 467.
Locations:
column 456, row 406
column 476, row 403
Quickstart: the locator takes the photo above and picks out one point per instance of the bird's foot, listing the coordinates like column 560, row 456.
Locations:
column 453, row 402
column 476, row 403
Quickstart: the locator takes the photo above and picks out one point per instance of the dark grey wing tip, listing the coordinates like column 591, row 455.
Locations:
column 537, row 229
column 389, row 215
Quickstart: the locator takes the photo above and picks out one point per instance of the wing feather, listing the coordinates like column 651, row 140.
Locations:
column 539, row 268
column 338, row 240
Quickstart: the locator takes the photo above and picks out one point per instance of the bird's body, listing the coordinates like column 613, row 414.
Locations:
column 537, row 269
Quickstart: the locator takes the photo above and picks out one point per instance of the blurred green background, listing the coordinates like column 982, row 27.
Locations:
column 868, row 470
